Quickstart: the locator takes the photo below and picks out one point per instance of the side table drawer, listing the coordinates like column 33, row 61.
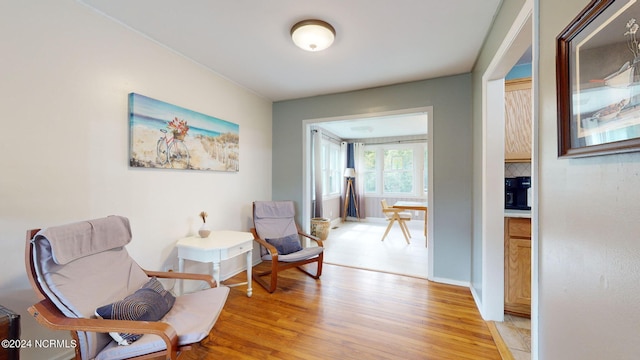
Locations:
column 237, row 250
column 10, row 330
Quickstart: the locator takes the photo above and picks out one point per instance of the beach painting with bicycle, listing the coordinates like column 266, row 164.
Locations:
column 167, row 136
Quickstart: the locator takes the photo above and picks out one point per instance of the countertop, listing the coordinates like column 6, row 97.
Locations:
column 517, row 213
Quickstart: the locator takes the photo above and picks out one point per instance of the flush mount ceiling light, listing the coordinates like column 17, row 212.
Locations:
column 313, row 35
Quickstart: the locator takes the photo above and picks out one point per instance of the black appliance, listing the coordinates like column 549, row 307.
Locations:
column 510, row 193
column 516, row 193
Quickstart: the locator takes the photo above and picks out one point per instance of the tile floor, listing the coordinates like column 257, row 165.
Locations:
column 516, row 334
column 357, row 244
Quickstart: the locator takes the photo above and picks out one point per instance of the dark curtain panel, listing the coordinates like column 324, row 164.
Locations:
column 351, row 211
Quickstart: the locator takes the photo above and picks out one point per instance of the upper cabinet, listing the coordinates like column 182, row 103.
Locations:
column 517, row 147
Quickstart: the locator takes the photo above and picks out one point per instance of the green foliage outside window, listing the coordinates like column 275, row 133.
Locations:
column 369, row 172
column 392, row 171
column 398, row 171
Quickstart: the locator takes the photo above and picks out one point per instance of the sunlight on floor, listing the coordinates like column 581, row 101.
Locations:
column 357, row 244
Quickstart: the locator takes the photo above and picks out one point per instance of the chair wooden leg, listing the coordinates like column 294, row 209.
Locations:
column 388, row 228
column 272, row 284
column 406, row 227
column 405, row 231
column 320, row 261
column 259, row 276
column 318, row 268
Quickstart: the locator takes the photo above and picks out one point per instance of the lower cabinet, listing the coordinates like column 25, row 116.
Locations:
column 517, row 266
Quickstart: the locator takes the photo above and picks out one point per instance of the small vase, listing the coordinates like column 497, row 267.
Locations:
column 204, row 231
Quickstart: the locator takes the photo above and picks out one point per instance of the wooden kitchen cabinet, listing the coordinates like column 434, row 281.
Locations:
column 517, row 266
column 518, row 139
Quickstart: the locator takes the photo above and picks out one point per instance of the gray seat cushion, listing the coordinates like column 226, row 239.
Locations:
column 305, row 253
column 108, row 275
column 84, row 265
column 275, row 220
column 192, row 315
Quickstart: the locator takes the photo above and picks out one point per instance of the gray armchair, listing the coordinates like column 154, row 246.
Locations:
column 279, row 237
column 79, row 268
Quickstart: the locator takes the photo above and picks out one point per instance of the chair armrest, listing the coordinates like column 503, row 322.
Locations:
column 311, row 237
column 185, row 276
column 48, row 315
column 272, row 249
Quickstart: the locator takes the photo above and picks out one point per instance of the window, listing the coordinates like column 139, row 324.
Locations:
column 330, row 168
column 369, row 172
column 334, row 169
column 425, row 172
column 395, row 169
column 397, row 174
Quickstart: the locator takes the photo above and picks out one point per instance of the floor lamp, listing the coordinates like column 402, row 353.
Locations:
column 350, row 174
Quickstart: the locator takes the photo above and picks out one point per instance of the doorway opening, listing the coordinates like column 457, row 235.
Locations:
column 490, row 296
column 408, row 128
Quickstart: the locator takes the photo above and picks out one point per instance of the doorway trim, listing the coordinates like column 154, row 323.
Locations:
column 491, row 302
column 517, row 40
column 306, row 165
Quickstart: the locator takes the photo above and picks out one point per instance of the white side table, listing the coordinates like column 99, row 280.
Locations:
column 218, row 246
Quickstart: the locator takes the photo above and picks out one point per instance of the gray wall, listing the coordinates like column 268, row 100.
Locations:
column 452, row 131
column 589, row 211
column 588, row 233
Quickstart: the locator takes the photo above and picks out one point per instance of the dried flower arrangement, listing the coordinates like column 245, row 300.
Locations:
column 203, row 215
column 204, row 229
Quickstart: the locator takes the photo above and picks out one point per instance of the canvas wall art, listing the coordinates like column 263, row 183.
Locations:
column 167, row 136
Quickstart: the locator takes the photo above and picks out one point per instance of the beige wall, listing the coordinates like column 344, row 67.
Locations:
column 66, row 72
column 589, row 231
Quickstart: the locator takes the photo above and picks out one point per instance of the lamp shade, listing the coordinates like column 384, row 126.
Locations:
column 313, row 35
column 349, row 172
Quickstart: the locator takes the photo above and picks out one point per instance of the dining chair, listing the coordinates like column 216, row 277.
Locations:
column 396, row 215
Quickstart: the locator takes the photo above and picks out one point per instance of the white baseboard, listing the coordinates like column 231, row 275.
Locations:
column 451, row 282
column 337, row 222
column 477, row 299
column 229, row 274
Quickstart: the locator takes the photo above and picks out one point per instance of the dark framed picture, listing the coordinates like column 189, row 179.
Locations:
column 598, row 80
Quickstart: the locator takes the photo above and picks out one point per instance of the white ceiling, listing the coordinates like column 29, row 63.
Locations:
column 378, row 42
column 378, row 127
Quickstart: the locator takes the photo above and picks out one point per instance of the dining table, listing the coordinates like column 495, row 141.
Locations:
column 417, row 206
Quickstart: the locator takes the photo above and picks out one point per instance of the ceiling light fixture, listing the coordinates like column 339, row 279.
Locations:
column 313, row 35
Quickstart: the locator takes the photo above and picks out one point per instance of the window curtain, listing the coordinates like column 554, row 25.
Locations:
column 358, row 162
column 355, row 160
column 343, row 183
column 316, row 169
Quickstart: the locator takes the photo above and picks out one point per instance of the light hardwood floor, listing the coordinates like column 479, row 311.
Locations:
column 358, row 244
column 348, row 314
